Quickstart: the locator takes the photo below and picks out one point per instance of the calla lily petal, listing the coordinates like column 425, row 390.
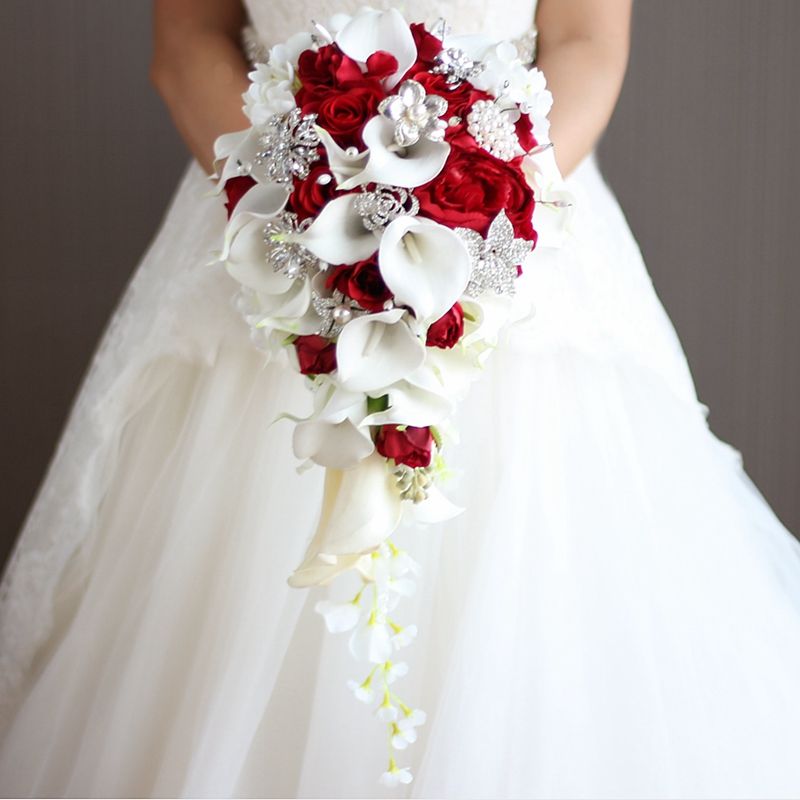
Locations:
column 376, row 350
column 370, row 30
column 338, row 234
column 332, row 444
column 412, row 404
column 435, row 508
column 361, row 508
column 394, row 166
column 246, row 261
column 264, row 200
column 343, row 165
column 425, row 265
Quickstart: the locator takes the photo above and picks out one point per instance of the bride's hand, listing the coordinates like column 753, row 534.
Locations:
column 583, row 52
column 199, row 70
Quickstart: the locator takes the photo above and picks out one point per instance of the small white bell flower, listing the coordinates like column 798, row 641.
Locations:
column 395, row 775
column 392, row 671
column 363, row 691
column 403, row 636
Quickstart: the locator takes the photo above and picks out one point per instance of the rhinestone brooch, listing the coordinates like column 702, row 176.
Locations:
column 335, row 312
column 496, row 258
column 290, row 258
column 415, row 114
column 288, row 146
column 457, row 66
column 379, row 207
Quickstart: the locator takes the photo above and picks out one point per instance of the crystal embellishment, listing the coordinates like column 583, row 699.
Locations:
column 415, row 114
column 335, row 312
column 457, row 66
column 379, row 207
column 289, row 258
column 288, row 145
column 496, row 258
column 493, row 130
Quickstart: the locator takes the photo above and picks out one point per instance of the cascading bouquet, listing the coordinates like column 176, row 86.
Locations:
column 381, row 208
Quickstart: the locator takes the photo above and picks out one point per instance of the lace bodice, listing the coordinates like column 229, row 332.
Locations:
column 276, row 20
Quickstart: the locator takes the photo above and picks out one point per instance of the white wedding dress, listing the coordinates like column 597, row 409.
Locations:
column 616, row 614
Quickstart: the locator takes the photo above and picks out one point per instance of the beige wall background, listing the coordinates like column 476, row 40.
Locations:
column 702, row 152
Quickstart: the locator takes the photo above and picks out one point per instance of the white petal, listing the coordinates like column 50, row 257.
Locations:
column 361, row 508
column 435, row 508
column 386, row 164
column 426, row 265
column 338, row 235
column 331, row 444
column 262, row 201
column 343, row 165
column 396, row 671
column 339, row 617
column 370, row 30
column 371, row 642
column 247, row 260
column 375, row 350
column 412, row 403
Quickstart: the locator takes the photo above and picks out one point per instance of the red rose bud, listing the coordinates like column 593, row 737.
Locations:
column 316, row 354
column 448, row 329
column 411, row 446
column 361, row 282
column 235, row 189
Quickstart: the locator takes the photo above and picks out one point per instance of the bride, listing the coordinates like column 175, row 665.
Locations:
column 615, row 615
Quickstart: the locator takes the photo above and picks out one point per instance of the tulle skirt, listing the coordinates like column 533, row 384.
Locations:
column 615, row 615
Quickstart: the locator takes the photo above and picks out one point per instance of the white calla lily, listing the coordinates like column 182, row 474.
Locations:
column 343, row 163
column 331, row 444
column 333, row 436
column 426, row 265
column 240, row 150
column 263, row 201
column 361, row 508
column 419, row 401
column 369, row 31
column 396, row 166
column 246, row 260
column 338, row 234
column 376, row 350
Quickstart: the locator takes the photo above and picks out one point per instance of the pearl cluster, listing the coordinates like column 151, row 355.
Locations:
column 492, row 130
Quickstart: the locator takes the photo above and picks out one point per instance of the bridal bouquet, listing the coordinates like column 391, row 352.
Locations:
column 381, row 207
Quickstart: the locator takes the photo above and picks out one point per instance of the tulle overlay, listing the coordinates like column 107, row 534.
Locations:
column 617, row 614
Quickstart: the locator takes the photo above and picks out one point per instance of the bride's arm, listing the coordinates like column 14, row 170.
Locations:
column 199, row 70
column 583, row 52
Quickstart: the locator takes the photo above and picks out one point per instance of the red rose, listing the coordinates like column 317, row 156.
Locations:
column 524, row 128
column 474, row 187
column 235, row 189
column 328, row 66
column 344, row 112
column 411, row 446
column 448, row 329
column 428, row 47
column 316, row 354
column 362, row 282
column 309, row 196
